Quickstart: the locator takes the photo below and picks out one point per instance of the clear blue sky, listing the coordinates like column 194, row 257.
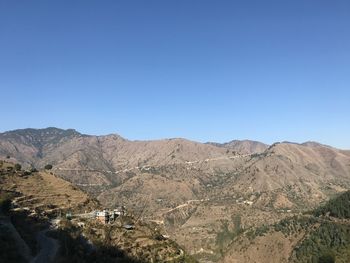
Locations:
column 204, row 70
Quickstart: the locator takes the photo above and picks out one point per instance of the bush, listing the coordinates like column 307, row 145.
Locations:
column 326, row 258
column 18, row 167
column 48, row 167
column 33, row 170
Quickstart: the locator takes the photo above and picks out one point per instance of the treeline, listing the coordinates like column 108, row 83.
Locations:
column 338, row 207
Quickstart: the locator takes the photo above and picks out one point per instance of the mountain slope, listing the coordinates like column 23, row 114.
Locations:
column 178, row 183
column 40, row 200
column 319, row 236
column 91, row 160
column 243, row 146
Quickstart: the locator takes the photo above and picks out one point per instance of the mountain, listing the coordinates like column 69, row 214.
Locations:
column 243, row 146
column 93, row 160
column 195, row 192
column 30, row 145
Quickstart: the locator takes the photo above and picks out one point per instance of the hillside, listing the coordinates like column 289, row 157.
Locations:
column 93, row 160
column 243, row 146
column 319, row 236
column 35, row 228
column 177, row 183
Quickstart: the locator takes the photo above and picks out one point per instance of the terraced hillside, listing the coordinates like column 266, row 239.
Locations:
column 34, row 228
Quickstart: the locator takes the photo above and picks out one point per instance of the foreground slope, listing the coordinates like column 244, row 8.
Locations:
column 36, row 230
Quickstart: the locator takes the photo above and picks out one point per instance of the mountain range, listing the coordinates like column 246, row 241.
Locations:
column 178, row 182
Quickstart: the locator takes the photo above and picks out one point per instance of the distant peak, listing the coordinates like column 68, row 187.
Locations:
column 48, row 129
column 315, row 144
column 243, row 146
column 39, row 137
column 114, row 136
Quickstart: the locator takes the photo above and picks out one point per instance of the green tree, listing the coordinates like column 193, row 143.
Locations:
column 326, row 258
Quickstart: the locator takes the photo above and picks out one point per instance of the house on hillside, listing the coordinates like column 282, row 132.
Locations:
column 109, row 216
column 103, row 216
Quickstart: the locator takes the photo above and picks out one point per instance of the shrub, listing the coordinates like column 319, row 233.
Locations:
column 326, row 258
column 48, row 167
column 33, row 170
column 18, row 167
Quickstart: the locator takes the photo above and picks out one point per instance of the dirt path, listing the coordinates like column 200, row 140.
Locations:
column 188, row 202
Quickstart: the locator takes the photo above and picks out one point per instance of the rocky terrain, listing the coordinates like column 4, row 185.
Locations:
column 201, row 195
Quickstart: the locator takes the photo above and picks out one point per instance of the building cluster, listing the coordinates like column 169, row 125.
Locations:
column 109, row 216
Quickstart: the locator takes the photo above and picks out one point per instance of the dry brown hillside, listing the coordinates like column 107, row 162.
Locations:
column 43, row 192
column 192, row 190
column 243, row 146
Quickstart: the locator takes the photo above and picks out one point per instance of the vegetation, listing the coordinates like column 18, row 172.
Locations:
column 225, row 236
column 260, row 231
column 338, row 207
column 326, row 258
column 33, row 170
column 330, row 242
column 294, row 224
column 327, row 241
column 18, row 167
column 48, row 167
